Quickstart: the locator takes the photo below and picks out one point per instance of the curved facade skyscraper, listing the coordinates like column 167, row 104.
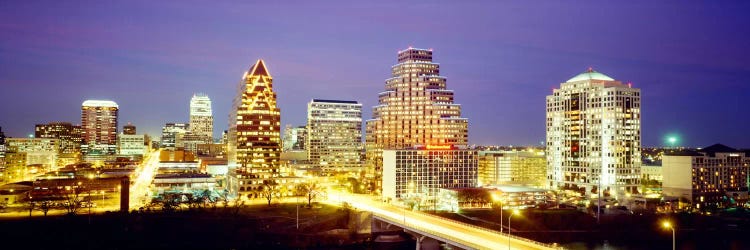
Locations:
column 416, row 108
column 594, row 135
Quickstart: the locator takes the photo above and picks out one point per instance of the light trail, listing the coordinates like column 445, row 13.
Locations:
column 139, row 189
column 461, row 233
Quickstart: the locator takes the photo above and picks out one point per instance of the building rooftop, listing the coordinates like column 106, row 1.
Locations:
column 718, row 148
column 516, row 189
column 182, row 175
column 259, row 69
column 710, row 151
column 590, row 74
column 99, row 103
column 335, row 101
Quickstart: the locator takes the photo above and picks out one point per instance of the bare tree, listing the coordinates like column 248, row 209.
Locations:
column 270, row 191
column 72, row 200
column 311, row 191
column 45, row 206
column 238, row 205
column 31, row 206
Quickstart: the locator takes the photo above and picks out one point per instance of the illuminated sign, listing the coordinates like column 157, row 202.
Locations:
column 439, row 147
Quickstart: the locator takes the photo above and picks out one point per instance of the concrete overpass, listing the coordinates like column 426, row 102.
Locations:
column 430, row 231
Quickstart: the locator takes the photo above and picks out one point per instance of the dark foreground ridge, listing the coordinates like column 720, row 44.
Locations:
column 252, row 227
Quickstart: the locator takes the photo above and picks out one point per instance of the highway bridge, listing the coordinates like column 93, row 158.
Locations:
column 430, row 230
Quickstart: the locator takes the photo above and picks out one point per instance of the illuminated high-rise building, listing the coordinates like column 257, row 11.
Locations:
column 70, row 137
column 99, row 124
column 594, row 135
column 254, row 132
column 334, row 134
column 202, row 118
column 416, row 108
column 172, row 133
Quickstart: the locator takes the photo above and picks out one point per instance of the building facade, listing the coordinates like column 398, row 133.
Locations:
column 526, row 168
column 594, row 135
column 652, row 172
column 191, row 141
column 334, row 134
column 202, row 118
column 421, row 173
column 38, row 151
column 416, row 108
column 294, row 138
column 254, row 133
column 170, row 134
column 713, row 176
column 131, row 144
column 99, row 124
column 68, row 134
column 2, row 152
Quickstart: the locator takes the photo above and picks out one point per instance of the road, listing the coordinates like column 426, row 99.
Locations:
column 140, row 187
column 462, row 233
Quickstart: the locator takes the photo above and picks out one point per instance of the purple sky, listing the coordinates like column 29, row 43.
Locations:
column 502, row 59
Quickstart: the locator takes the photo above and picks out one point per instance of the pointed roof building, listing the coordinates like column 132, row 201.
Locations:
column 259, row 69
column 254, row 145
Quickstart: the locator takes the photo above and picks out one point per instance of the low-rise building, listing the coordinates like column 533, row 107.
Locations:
column 247, row 186
column 59, row 188
column 42, row 151
column 422, row 172
column 215, row 150
column 183, row 183
column 527, row 168
column 131, row 144
column 652, row 172
column 714, row 176
column 519, row 197
column 13, row 193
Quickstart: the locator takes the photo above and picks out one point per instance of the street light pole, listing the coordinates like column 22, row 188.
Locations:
column 515, row 211
column 674, row 240
column 298, row 213
column 667, row 224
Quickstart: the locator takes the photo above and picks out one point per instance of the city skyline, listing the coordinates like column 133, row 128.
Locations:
column 504, row 64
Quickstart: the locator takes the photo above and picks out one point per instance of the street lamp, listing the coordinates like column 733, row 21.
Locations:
column 515, row 212
column 499, row 200
column 668, row 225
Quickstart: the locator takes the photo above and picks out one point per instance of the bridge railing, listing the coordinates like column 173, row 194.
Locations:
column 548, row 245
column 428, row 231
column 483, row 229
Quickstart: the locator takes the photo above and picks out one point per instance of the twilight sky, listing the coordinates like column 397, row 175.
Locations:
column 689, row 59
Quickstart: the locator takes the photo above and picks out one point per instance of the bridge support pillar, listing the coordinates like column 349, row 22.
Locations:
column 427, row 243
